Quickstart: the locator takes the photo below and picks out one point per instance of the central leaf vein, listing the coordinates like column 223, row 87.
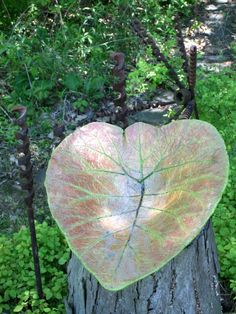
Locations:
column 127, row 243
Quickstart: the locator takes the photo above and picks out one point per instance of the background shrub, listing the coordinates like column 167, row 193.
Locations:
column 50, row 52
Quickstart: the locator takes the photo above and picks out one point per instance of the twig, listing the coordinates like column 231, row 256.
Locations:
column 27, row 73
column 6, row 9
column 3, row 181
column 6, row 113
column 61, row 20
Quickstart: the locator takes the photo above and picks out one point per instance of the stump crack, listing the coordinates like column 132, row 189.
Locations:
column 197, row 298
column 154, row 290
column 173, row 285
column 84, row 291
column 136, row 298
column 116, row 302
column 95, row 300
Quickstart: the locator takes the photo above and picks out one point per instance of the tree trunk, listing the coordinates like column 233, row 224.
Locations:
column 187, row 284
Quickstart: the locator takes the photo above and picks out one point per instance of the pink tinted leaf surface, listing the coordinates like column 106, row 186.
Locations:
column 129, row 201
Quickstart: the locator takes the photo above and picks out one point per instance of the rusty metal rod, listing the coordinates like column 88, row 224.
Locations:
column 192, row 76
column 186, row 114
column 148, row 40
column 26, row 173
column 181, row 46
column 192, row 67
column 119, row 84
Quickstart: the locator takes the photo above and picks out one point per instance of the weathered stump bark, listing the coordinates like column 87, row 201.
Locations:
column 187, row 284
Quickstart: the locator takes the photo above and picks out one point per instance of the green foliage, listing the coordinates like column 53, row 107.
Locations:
column 17, row 281
column 42, row 64
column 50, row 52
column 6, row 133
column 146, row 77
column 217, row 98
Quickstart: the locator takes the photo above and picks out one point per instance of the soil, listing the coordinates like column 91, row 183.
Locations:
column 12, row 207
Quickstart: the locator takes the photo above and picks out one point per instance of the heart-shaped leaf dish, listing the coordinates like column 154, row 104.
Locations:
column 129, row 201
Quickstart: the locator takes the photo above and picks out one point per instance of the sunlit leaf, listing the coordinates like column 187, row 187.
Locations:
column 129, row 201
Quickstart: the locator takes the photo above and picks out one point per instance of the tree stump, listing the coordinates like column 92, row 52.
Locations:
column 187, row 284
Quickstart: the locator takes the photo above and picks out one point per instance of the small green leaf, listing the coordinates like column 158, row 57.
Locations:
column 18, row 308
column 48, row 294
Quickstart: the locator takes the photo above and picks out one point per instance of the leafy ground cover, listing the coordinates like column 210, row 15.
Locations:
column 17, row 282
column 54, row 57
column 217, row 97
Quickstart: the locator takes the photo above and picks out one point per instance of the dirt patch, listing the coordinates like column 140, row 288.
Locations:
column 12, row 207
column 214, row 33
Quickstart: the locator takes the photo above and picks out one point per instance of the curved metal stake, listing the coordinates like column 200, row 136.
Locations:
column 26, row 173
